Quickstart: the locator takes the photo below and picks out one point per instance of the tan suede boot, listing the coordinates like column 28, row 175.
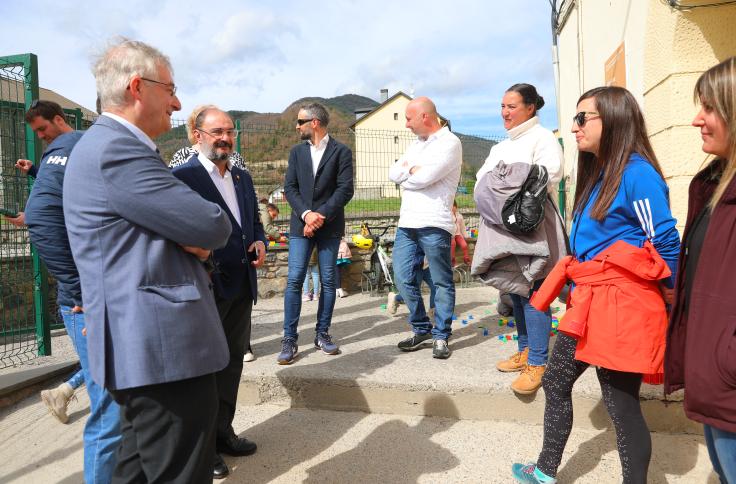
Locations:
column 516, row 362
column 57, row 399
column 529, row 381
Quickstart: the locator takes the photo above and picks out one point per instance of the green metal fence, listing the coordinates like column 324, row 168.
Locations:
column 24, row 328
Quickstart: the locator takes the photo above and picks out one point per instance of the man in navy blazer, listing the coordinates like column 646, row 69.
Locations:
column 138, row 236
column 212, row 175
column 319, row 183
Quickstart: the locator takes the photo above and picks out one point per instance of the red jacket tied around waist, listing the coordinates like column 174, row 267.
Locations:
column 616, row 310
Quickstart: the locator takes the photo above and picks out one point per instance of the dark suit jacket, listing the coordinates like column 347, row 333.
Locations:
column 231, row 262
column 326, row 193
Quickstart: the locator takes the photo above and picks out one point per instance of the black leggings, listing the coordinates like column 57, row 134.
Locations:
column 621, row 396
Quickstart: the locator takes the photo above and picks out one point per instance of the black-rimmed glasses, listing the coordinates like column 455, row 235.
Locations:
column 580, row 118
column 303, row 121
column 171, row 86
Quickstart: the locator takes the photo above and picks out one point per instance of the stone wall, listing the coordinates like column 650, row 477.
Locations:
column 272, row 276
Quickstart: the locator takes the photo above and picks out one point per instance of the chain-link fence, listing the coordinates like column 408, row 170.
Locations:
column 266, row 151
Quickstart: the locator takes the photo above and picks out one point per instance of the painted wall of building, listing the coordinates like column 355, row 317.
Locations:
column 679, row 46
column 665, row 52
column 380, row 139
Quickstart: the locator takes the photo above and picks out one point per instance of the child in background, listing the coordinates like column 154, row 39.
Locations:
column 344, row 257
column 459, row 237
column 313, row 269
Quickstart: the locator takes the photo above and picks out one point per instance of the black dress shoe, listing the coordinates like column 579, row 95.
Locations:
column 234, row 445
column 220, row 470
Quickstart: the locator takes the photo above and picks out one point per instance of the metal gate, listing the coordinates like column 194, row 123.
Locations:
column 24, row 315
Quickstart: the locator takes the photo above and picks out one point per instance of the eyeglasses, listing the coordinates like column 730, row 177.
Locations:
column 171, row 86
column 220, row 132
column 303, row 121
column 581, row 119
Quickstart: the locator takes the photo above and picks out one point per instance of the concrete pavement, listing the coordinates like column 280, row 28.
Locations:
column 428, row 420
column 321, row 446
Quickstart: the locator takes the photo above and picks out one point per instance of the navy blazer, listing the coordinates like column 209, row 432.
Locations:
column 232, row 262
column 327, row 193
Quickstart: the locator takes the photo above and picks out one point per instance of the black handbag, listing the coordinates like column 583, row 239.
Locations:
column 524, row 210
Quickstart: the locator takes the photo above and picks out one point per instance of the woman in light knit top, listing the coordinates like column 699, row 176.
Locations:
column 528, row 142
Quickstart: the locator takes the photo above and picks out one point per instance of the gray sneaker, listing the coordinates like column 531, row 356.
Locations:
column 416, row 342
column 323, row 341
column 288, row 351
column 440, row 349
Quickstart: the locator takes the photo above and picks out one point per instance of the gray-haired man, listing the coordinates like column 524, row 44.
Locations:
column 138, row 236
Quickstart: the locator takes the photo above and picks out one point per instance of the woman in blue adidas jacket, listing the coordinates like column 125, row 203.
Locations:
column 620, row 195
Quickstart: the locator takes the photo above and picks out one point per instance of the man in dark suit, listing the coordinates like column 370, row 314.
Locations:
column 212, row 175
column 319, row 183
column 138, row 236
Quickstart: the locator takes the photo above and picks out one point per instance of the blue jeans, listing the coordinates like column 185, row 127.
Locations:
column 102, row 430
column 436, row 245
column 76, row 380
column 423, row 275
column 300, row 249
column 722, row 451
column 311, row 270
column 533, row 328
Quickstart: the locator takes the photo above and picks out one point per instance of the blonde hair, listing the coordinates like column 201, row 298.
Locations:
column 717, row 87
column 192, row 119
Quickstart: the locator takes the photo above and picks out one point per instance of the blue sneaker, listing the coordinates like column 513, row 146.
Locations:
column 323, row 342
column 288, row 351
column 530, row 473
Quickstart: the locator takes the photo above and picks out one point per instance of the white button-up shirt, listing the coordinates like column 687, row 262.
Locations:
column 224, row 184
column 427, row 196
column 317, row 151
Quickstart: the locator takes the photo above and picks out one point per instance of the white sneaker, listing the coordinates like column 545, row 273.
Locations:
column 342, row 292
column 391, row 303
column 249, row 356
column 57, row 399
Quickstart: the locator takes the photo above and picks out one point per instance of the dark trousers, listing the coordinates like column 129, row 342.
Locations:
column 235, row 316
column 620, row 392
column 168, row 432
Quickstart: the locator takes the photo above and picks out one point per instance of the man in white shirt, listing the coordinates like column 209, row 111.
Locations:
column 211, row 174
column 428, row 173
column 319, row 183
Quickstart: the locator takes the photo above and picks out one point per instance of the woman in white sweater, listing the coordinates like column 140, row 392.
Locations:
column 527, row 142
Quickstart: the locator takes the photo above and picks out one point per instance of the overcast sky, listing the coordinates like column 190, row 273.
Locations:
column 260, row 56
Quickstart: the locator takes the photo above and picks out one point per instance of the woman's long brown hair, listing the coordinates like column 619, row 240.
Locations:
column 623, row 133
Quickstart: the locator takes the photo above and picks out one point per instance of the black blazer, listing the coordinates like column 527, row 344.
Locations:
column 231, row 262
column 327, row 193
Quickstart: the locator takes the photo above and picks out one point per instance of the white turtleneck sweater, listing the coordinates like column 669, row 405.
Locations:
column 529, row 143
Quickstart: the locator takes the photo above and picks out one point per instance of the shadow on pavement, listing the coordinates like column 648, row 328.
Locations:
column 394, row 452
column 589, row 453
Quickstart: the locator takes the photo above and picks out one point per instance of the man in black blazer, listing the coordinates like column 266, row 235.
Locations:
column 212, row 175
column 319, row 183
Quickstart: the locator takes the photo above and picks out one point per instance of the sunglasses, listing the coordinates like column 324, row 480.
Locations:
column 300, row 122
column 580, row 118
